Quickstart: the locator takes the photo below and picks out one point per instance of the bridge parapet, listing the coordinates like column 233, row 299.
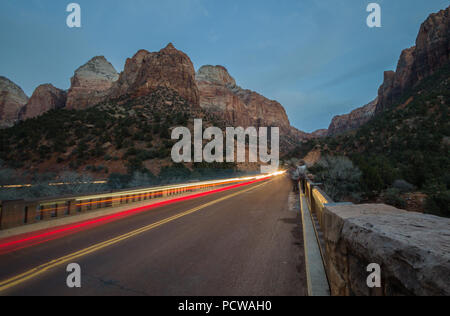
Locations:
column 412, row 249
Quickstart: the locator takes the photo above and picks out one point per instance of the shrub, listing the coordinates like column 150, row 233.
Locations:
column 341, row 179
column 438, row 204
column 117, row 181
column 142, row 179
column 403, row 186
column 392, row 197
column 175, row 173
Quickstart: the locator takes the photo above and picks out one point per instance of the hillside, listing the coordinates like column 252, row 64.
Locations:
column 410, row 141
column 123, row 135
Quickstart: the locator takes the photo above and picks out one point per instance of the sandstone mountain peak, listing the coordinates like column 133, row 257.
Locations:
column 215, row 74
column 169, row 46
column 12, row 99
column 432, row 51
column 7, row 85
column 90, row 83
column 220, row 96
column 45, row 98
column 140, row 54
column 98, row 67
column 352, row 121
column 169, row 68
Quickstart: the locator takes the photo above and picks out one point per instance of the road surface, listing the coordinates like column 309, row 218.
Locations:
column 242, row 242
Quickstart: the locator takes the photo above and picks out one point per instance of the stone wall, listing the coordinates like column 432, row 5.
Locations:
column 412, row 249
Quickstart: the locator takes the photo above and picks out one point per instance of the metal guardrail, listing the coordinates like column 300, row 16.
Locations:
column 316, row 198
column 25, row 212
column 315, row 254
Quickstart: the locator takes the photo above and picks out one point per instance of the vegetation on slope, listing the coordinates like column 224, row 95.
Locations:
column 408, row 142
column 126, row 141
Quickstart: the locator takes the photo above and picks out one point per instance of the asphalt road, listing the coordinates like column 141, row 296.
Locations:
column 249, row 243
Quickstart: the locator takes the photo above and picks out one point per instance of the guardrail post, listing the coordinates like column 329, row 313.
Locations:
column 60, row 209
column 13, row 214
column 72, row 207
column 116, row 201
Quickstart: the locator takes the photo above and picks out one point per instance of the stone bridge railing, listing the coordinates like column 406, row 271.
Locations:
column 412, row 249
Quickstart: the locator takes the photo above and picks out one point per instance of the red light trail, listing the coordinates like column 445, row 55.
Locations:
column 35, row 238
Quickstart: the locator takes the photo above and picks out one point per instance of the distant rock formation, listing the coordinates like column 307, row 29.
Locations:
column 212, row 89
column 219, row 94
column 169, row 68
column 344, row 123
column 45, row 98
column 12, row 100
column 432, row 51
column 91, row 83
column 319, row 133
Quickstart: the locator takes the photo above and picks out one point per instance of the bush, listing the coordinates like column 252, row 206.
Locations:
column 175, row 173
column 142, row 179
column 438, row 204
column 117, row 181
column 392, row 197
column 403, row 186
column 341, row 179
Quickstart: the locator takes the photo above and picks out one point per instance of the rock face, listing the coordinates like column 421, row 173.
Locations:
column 352, row 121
column 45, row 98
column 320, row 133
column 432, row 51
column 91, row 83
column 219, row 94
column 412, row 249
column 169, row 68
column 12, row 100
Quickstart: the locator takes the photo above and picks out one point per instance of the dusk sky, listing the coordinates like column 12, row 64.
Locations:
column 317, row 58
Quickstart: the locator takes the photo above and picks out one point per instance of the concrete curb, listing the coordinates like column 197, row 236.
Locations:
column 317, row 281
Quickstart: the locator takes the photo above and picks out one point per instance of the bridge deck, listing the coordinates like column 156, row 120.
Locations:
column 245, row 241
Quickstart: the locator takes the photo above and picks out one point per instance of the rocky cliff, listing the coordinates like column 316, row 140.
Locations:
column 432, row 51
column 352, row 121
column 319, row 133
column 12, row 100
column 91, row 83
column 45, row 98
column 169, row 68
column 220, row 95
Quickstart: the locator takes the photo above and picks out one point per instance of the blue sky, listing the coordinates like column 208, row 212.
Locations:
column 316, row 57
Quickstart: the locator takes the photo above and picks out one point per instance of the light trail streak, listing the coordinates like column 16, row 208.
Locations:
column 14, row 244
